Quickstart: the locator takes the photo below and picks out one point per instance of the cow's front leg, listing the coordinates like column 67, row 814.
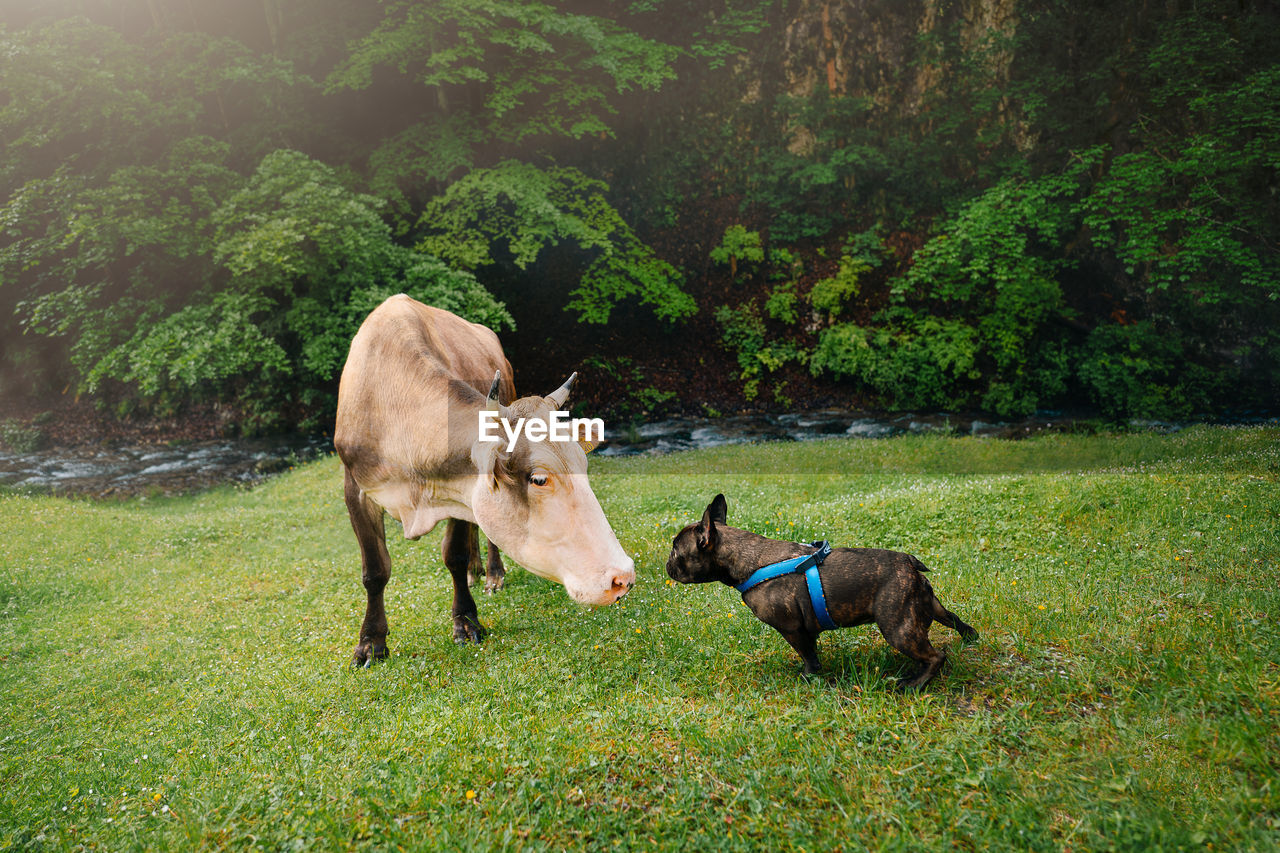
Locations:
column 473, row 560
column 366, row 521
column 457, row 549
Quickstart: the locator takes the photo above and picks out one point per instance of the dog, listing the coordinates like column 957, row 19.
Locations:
column 855, row 586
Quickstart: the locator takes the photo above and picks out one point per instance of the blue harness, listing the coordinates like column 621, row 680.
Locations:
column 809, row 565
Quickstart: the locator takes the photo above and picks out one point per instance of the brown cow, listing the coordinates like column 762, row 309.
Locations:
column 408, row 436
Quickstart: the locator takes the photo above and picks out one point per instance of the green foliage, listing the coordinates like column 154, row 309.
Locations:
column 744, row 333
column 787, row 265
column 986, row 295
column 535, row 71
column 20, row 437
column 738, row 244
column 651, row 401
column 74, row 97
column 281, row 269
column 1135, row 368
column 1196, row 237
column 199, row 345
column 913, row 363
column 1098, row 182
column 861, row 254
column 96, row 261
column 781, row 303
column 523, row 209
column 716, row 34
column 426, row 154
column 830, row 294
column 295, row 226
column 298, row 237
column 817, row 150
column 631, row 394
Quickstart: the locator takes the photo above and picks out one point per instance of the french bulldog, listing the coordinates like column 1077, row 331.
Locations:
column 857, row 586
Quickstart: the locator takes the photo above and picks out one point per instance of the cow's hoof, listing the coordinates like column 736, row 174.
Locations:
column 494, row 582
column 368, row 652
column 467, row 629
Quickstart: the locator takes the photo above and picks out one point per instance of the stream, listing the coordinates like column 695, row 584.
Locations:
column 159, row 469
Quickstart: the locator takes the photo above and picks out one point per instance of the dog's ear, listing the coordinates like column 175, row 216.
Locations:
column 718, row 510
column 708, row 536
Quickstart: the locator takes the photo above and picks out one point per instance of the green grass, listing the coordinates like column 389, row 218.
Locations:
column 174, row 672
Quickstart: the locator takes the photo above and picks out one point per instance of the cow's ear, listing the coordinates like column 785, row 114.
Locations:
column 484, row 455
column 491, row 462
column 718, row 509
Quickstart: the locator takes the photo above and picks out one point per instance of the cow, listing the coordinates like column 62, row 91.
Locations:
column 408, row 436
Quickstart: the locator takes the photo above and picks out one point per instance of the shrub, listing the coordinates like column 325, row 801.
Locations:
column 1136, row 370
column 745, row 335
column 524, row 209
column 20, row 437
column 781, row 303
column 738, row 244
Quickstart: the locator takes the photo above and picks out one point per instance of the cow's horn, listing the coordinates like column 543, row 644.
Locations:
column 561, row 394
column 492, row 401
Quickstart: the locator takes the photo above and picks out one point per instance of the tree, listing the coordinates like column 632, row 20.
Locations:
column 522, row 209
column 495, row 77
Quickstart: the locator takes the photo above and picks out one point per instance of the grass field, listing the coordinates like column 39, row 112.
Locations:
column 175, row 673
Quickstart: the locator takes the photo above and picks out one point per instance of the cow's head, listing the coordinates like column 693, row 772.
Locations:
column 534, row 502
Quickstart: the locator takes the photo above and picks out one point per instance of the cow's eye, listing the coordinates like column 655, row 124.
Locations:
column 538, row 479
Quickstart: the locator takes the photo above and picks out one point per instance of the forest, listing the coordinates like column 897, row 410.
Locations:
column 1004, row 206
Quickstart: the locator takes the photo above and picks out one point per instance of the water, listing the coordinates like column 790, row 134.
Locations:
column 149, row 469
column 677, row 434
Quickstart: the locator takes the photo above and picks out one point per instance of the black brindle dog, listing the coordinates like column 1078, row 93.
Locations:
column 859, row 585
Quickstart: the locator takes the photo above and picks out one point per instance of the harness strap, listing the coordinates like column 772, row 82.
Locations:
column 818, row 599
column 808, row 564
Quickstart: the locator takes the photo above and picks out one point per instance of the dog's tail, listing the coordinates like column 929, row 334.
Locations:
column 945, row 617
column 941, row 614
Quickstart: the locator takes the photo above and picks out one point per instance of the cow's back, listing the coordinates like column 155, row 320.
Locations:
column 409, row 368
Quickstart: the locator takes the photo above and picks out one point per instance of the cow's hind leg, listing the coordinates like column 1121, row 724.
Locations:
column 458, row 544
column 366, row 520
column 495, row 573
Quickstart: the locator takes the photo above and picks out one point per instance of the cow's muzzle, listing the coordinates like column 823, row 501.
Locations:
column 621, row 587
column 619, row 582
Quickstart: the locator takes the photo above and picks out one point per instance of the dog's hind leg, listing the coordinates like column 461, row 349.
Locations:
column 952, row 621
column 926, row 673
column 909, row 634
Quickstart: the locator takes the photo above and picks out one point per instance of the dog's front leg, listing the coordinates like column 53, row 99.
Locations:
column 806, row 645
